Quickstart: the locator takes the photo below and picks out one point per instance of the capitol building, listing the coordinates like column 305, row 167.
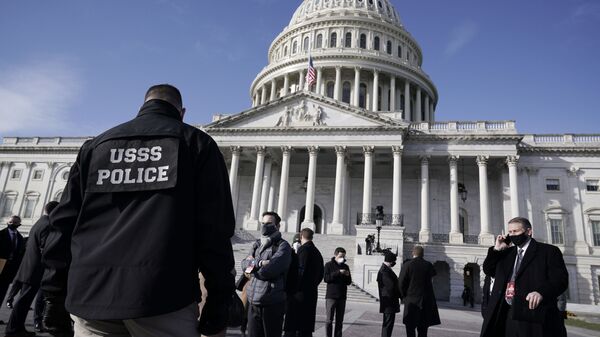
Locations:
column 366, row 134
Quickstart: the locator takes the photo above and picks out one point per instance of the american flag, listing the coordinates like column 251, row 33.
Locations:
column 311, row 75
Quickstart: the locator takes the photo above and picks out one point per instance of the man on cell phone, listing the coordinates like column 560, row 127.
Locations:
column 529, row 276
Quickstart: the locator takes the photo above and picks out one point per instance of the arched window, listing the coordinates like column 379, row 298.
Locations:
column 363, row 41
column 330, row 89
column 31, row 200
column 294, row 47
column 362, row 97
column 346, row 90
column 319, row 41
column 389, row 47
column 376, row 43
column 348, row 43
column 9, row 202
column 400, row 51
column 333, row 40
column 305, row 45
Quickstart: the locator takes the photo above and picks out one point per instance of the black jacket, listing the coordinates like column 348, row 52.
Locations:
column 542, row 270
column 416, row 291
column 6, row 250
column 147, row 205
column 389, row 292
column 337, row 283
column 31, row 269
column 310, row 275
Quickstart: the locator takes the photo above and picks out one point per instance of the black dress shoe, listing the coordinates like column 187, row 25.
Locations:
column 23, row 333
column 9, row 304
column 38, row 327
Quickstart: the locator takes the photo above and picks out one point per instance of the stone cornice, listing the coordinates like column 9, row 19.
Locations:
column 39, row 149
column 490, row 138
column 304, row 130
column 565, row 151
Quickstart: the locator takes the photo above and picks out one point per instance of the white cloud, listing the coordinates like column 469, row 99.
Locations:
column 460, row 37
column 35, row 97
column 587, row 10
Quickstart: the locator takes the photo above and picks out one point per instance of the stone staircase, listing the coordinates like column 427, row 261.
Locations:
column 355, row 294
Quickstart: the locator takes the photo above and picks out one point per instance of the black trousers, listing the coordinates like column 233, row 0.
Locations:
column 388, row 324
column 265, row 321
column 335, row 307
column 14, row 290
column 38, row 309
column 21, row 306
column 410, row 330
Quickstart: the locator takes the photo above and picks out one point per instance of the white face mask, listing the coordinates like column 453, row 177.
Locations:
column 296, row 245
column 340, row 260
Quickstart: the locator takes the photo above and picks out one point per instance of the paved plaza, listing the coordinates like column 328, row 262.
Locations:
column 363, row 320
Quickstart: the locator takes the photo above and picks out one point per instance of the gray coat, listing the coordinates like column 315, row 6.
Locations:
column 267, row 286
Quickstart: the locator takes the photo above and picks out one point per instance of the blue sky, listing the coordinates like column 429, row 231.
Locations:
column 77, row 67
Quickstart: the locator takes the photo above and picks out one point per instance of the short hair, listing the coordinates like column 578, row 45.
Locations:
column 523, row 221
column 50, row 206
column 418, row 251
column 15, row 217
column 339, row 250
column 307, row 233
column 165, row 92
column 275, row 215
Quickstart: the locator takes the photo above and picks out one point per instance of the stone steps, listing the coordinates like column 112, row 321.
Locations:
column 355, row 294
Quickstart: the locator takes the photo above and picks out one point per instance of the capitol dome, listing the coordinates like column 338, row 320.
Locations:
column 363, row 56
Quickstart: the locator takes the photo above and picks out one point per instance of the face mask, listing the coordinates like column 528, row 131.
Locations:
column 296, row 245
column 13, row 227
column 268, row 229
column 340, row 260
column 519, row 239
column 392, row 264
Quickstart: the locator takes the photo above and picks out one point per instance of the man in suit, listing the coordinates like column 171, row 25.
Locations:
column 310, row 274
column 529, row 276
column 30, row 275
column 389, row 294
column 12, row 247
column 416, row 291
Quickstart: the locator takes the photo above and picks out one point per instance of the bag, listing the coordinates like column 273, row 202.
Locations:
column 235, row 316
column 241, row 282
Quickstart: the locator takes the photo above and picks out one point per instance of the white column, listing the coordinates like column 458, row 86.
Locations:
column 486, row 238
column 319, row 80
column 266, row 184
column 283, row 186
column 512, row 162
column 48, row 175
column 425, row 233
column 338, row 83
column 273, row 90
column 286, row 85
column 272, row 189
column 393, row 93
column 456, row 236
column 426, row 113
column 23, row 192
column 431, row 112
column 313, row 151
column 263, row 95
column 356, row 86
column 336, row 223
column 418, row 109
column 346, row 184
column 254, row 221
column 407, row 116
column 367, row 184
column 301, row 80
column 397, row 186
column 233, row 173
column 5, row 172
column 375, row 90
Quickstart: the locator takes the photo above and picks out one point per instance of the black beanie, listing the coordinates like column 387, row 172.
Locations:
column 390, row 257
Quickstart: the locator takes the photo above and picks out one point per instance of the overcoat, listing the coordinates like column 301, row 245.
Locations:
column 11, row 266
column 310, row 275
column 389, row 292
column 416, row 291
column 542, row 270
column 31, row 269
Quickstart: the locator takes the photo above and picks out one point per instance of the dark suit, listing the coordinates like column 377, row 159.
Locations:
column 13, row 254
column 30, row 275
column 389, row 298
column 416, row 291
column 542, row 270
column 310, row 274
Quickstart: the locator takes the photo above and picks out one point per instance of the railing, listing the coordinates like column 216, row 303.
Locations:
column 471, row 239
column 568, row 139
column 441, row 238
column 388, row 219
column 464, row 126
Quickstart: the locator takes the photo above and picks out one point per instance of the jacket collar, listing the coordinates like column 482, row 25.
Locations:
column 160, row 107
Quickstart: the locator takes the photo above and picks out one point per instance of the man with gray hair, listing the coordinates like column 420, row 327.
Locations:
column 146, row 207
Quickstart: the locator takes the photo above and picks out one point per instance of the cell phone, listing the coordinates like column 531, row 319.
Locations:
column 507, row 240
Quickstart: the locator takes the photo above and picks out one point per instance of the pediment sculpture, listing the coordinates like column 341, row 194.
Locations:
column 302, row 115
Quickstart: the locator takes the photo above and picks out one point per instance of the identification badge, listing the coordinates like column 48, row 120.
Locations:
column 250, row 267
column 510, row 290
column 131, row 165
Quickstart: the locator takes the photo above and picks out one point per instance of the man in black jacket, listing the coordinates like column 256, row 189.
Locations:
column 12, row 248
column 529, row 276
column 416, row 291
column 310, row 274
column 146, row 207
column 338, row 278
column 30, row 275
column 389, row 294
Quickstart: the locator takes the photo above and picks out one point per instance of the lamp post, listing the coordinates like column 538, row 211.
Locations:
column 378, row 224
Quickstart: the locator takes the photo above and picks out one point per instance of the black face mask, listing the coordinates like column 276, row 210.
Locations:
column 268, row 229
column 520, row 239
column 392, row 264
column 13, row 227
